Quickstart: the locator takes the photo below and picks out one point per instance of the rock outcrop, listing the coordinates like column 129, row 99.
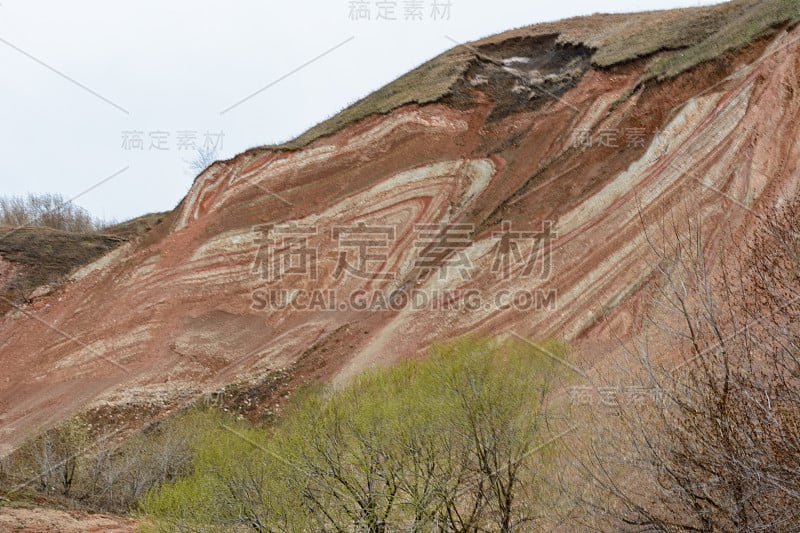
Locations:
column 508, row 192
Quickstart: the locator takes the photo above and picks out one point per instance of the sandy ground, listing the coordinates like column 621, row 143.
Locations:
column 42, row 520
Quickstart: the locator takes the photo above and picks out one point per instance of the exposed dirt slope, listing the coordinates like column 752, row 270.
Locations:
column 33, row 257
column 35, row 261
column 534, row 148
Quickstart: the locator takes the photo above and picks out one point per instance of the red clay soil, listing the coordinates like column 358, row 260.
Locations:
column 165, row 318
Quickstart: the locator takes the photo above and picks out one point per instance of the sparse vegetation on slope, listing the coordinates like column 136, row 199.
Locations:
column 44, row 256
column 690, row 36
column 43, row 238
column 426, row 83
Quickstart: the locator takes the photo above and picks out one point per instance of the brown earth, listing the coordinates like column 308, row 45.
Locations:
column 35, row 261
column 178, row 313
column 44, row 520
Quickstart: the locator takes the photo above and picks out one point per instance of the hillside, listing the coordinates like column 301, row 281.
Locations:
column 509, row 187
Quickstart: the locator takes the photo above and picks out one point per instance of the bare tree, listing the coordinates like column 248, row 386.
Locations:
column 722, row 451
column 56, row 456
column 204, row 157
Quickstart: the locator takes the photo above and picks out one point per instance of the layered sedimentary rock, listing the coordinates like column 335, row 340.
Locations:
column 519, row 202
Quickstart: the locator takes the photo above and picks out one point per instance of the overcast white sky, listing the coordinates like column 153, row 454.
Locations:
column 79, row 76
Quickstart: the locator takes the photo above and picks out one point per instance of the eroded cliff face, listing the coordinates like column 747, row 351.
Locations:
column 515, row 205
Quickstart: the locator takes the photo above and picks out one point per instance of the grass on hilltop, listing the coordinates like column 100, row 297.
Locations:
column 690, row 36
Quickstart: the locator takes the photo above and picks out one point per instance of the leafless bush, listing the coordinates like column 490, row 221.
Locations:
column 102, row 472
column 49, row 463
column 722, row 452
column 204, row 157
column 49, row 210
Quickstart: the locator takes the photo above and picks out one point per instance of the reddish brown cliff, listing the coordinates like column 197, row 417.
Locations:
column 542, row 152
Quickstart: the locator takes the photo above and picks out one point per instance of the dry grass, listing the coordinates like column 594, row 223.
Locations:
column 46, row 255
column 426, row 83
column 689, row 36
column 134, row 227
column 747, row 21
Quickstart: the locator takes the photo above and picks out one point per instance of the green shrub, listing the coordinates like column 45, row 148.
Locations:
column 457, row 439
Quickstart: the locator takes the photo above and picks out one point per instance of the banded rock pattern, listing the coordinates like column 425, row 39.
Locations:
column 580, row 161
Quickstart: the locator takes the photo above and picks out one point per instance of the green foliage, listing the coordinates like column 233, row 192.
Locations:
column 456, row 440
